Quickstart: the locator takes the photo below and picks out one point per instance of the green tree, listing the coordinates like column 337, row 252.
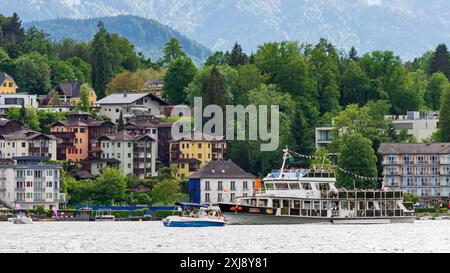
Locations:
column 61, row 71
column 440, row 61
column 167, row 192
column 120, row 125
column 435, row 87
column 216, row 85
column 172, row 51
column 81, row 69
column 37, row 40
column 179, row 75
column 102, row 60
column 358, row 157
column 23, row 114
column 85, row 94
column 111, row 186
column 237, row 57
column 444, row 117
column 218, row 58
column 33, row 73
column 387, row 77
column 355, row 85
column 323, row 63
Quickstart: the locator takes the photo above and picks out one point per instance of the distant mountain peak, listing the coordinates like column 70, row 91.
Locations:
column 408, row 27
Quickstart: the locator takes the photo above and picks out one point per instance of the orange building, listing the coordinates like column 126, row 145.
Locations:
column 73, row 139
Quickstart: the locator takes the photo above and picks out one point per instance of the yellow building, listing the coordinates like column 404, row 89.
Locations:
column 188, row 156
column 7, row 84
column 69, row 93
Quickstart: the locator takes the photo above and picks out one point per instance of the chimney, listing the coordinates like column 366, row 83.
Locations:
column 125, row 94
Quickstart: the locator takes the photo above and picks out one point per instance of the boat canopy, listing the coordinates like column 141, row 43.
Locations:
column 191, row 205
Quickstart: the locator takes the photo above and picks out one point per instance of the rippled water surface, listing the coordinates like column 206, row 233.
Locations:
column 423, row 236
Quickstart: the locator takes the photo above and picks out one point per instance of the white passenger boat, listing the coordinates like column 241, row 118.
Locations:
column 310, row 196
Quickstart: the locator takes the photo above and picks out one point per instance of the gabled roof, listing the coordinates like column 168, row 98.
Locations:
column 69, row 89
column 125, row 136
column 414, row 148
column 197, row 136
column 8, row 122
column 69, row 123
column 26, row 134
column 128, row 98
column 222, row 169
column 4, row 76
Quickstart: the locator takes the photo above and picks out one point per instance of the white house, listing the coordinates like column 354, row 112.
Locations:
column 220, row 181
column 31, row 182
column 132, row 153
column 16, row 100
column 27, row 142
column 130, row 104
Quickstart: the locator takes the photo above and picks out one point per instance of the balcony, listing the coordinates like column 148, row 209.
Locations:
column 19, row 189
column 40, row 189
column 38, row 150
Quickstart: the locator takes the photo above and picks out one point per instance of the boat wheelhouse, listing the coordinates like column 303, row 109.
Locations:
column 300, row 196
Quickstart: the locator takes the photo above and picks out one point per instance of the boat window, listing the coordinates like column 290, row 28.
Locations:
column 324, row 186
column 281, row 186
column 352, row 205
column 306, row 186
column 269, row 186
column 325, row 205
column 351, row 195
column 378, row 195
column 245, row 202
column 370, row 205
column 361, row 195
column 317, row 205
column 370, row 195
column 285, row 203
column 343, row 195
column 276, row 203
column 344, row 205
column 294, row 186
column 263, row 202
column 389, row 195
column 362, row 205
column 297, row 204
column 307, row 204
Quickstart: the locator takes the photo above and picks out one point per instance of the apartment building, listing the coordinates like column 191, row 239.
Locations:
column 26, row 142
column 73, row 139
column 188, row 155
column 31, row 182
column 421, row 169
column 132, row 153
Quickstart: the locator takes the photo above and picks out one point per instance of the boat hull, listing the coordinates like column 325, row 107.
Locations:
column 266, row 216
column 191, row 222
column 249, row 219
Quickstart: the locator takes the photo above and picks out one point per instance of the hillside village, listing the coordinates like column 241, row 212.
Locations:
column 90, row 123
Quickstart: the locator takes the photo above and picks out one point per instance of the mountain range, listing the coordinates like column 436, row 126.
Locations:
column 408, row 27
column 147, row 35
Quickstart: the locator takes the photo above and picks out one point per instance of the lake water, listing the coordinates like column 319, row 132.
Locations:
column 423, row 236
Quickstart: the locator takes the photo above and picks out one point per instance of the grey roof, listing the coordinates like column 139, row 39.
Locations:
column 414, row 148
column 125, row 136
column 69, row 89
column 4, row 76
column 26, row 134
column 222, row 169
column 128, row 98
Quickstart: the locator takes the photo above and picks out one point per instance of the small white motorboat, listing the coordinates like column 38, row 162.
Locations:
column 21, row 219
column 193, row 216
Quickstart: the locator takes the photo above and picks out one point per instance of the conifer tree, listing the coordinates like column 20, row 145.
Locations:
column 440, row 62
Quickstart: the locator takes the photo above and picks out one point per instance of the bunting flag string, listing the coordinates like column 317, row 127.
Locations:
column 291, row 155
